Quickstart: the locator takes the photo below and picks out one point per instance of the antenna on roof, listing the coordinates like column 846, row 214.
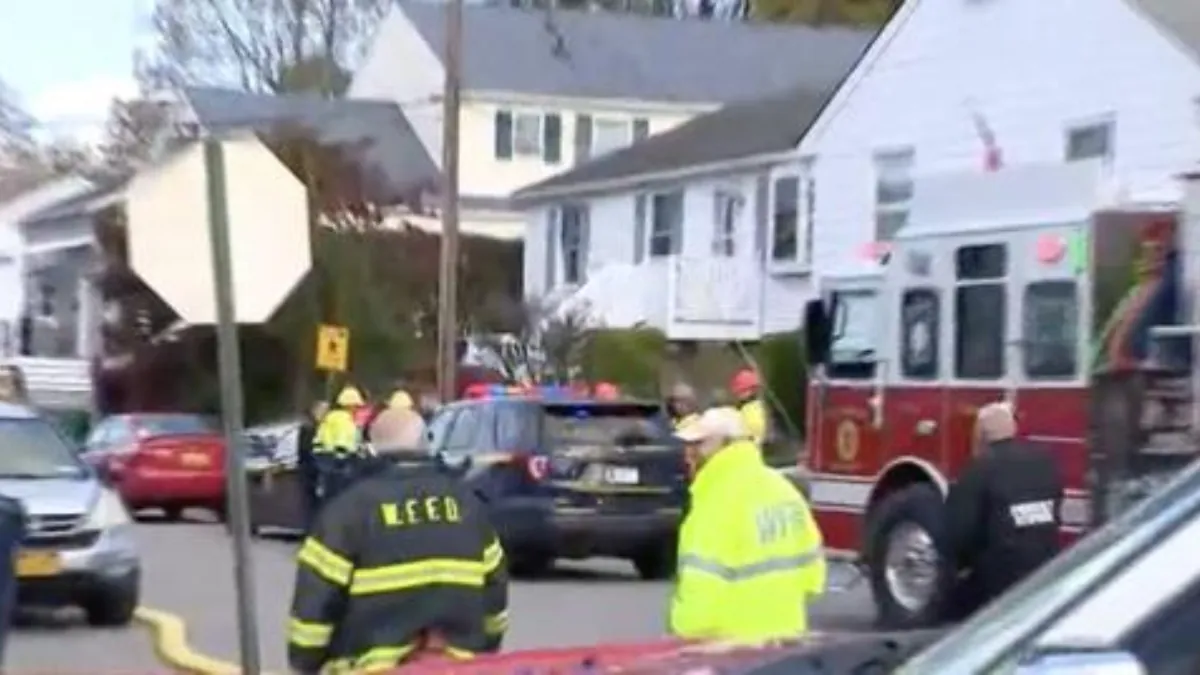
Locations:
column 558, row 47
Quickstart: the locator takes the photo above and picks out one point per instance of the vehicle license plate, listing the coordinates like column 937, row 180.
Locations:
column 38, row 564
column 194, row 459
column 621, row 475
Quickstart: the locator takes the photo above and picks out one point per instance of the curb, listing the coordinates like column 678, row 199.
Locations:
column 171, row 646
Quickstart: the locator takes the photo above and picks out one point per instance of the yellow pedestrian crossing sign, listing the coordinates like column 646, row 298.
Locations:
column 333, row 348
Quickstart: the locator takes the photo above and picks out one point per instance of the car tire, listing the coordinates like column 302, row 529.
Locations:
column 113, row 606
column 914, row 511
column 656, row 563
column 530, row 566
column 172, row 513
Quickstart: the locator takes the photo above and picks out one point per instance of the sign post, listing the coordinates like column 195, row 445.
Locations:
column 234, row 201
column 230, row 367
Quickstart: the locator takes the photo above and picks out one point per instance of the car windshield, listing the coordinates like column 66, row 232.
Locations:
column 172, row 425
column 605, row 424
column 32, row 448
column 1004, row 628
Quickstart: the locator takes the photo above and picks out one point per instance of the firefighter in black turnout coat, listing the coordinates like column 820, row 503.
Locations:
column 1003, row 513
column 401, row 564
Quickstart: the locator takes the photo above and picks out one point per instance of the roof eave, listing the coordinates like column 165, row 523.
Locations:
column 534, row 196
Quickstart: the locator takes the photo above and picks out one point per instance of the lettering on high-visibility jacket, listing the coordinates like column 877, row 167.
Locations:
column 778, row 521
column 1028, row 514
column 424, row 511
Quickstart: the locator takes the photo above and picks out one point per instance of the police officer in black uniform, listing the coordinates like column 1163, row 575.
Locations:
column 1003, row 513
column 401, row 564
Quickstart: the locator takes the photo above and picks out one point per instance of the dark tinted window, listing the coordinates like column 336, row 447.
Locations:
column 592, row 424
column 33, row 448
column 919, row 325
column 1166, row 644
column 466, row 429
column 439, row 428
column 1051, row 330
column 516, row 427
column 979, row 312
column 172, row 425
column 981, row 262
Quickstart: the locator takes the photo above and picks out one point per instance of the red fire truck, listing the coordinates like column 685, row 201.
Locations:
column 1031, row 285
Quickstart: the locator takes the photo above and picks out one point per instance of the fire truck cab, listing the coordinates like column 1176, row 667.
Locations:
column 1017, row 285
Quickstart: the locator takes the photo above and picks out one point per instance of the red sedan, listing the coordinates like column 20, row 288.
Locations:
column 168, row 461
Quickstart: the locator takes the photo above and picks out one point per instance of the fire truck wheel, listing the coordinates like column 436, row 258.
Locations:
column 905, row 570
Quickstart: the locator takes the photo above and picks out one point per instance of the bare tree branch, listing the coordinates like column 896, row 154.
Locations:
column 254, row 43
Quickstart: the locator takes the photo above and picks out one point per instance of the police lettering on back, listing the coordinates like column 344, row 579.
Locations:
column 424, row 511
column 1030, row 514
column 778, row 521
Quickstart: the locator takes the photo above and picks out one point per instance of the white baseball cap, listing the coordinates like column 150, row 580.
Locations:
column 723, row 422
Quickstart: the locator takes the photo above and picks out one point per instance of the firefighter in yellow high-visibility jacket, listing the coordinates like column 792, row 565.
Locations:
column 750, row 556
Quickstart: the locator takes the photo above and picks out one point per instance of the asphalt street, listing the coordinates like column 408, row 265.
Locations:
column 189, row 573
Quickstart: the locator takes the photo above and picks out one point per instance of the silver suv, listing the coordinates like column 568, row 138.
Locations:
column 79, row 547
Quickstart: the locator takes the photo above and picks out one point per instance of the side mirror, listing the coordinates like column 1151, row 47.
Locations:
column 1082, row 662
column 817, row 332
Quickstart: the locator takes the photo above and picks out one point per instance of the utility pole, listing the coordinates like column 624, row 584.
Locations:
column 448, row 269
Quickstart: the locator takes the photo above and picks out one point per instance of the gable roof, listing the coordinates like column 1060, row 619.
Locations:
column 629, row 56
column 1179, row 18
column 738, row 131
column 384, row 143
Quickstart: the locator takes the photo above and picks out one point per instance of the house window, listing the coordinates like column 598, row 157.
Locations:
column 1090, row 141
column 574, row 242
column 527, row 135
column 785, row 204
column 666, row 224
column 727, row 211
column 609, row 135
column 893, row 192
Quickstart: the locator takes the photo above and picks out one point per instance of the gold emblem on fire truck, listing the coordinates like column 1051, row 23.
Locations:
column 847, row 441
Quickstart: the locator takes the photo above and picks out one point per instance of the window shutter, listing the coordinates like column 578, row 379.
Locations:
column 504, row 134
column 762, row 214
column 552, row 138
column 583, row 137
column 639, row 229
column 552, row 230
column 677, row 224
column 641, row 128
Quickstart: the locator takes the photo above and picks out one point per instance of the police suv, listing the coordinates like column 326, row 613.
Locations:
column 570, row 478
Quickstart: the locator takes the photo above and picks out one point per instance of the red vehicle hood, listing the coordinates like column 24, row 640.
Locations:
column 672, row 657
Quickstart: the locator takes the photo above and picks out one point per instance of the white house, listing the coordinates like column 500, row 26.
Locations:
column 544, row 89
column 947, row 85
column 49, row 309
column 956, row 84
column 704, row 232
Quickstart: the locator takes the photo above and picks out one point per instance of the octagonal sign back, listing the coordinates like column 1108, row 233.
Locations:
column 169, row 239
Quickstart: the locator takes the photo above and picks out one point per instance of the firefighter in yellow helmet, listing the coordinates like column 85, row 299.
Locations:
column 337, row 438
column 750, row 557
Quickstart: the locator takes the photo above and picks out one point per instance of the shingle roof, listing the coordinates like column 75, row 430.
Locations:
column 1180, row 18
column 88, row 202
column 740, row 130
column 386, row 145
column 617, row 55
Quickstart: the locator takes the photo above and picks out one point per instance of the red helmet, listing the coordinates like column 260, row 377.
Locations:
column 744, row 382
column 606, row 391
